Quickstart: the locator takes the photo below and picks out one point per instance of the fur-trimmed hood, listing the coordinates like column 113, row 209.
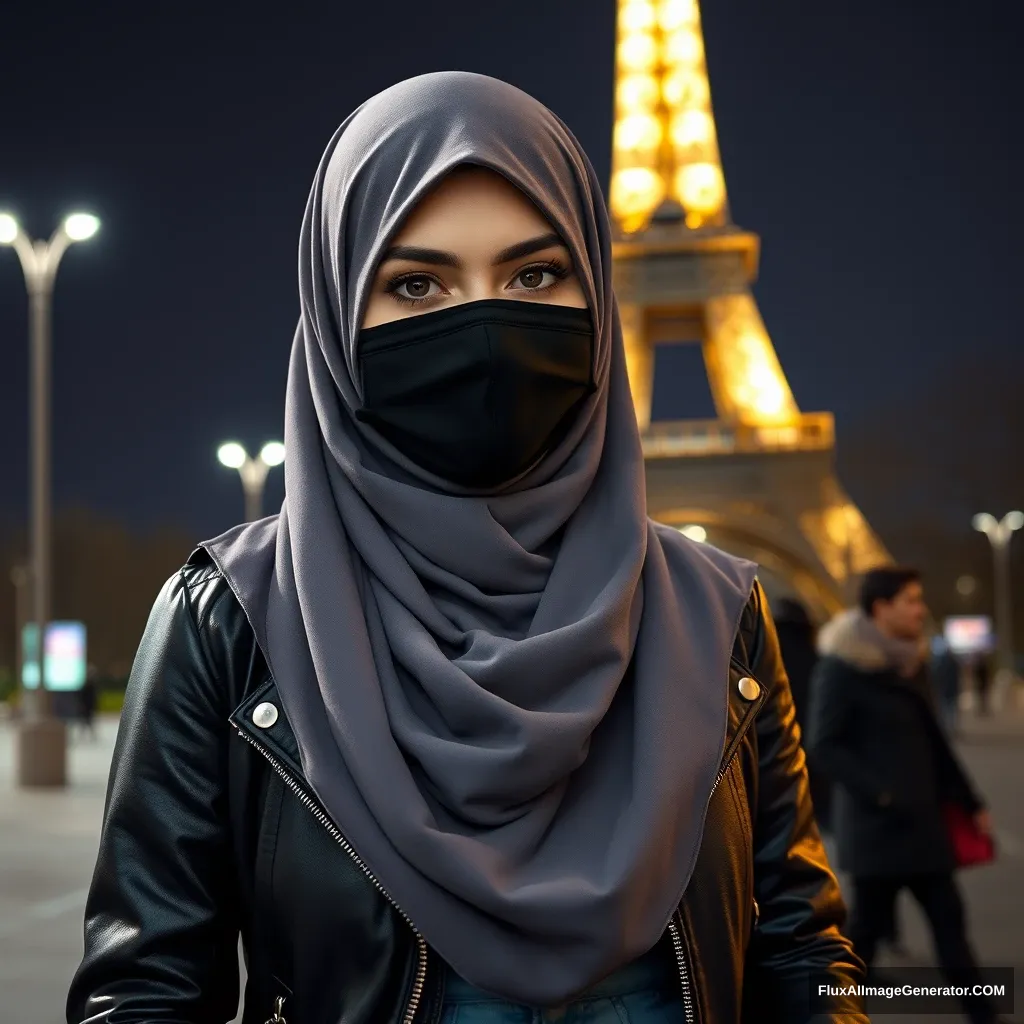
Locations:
column 853, row 638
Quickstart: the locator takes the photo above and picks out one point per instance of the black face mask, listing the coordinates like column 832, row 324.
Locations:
column 477, row 393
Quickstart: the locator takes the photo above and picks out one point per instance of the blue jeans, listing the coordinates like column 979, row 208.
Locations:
column 647, row 991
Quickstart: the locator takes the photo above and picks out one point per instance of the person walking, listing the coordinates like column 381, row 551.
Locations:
column 88, row 701
column 875, row 728
column 799, row 656
column 945, row 675
column 982, row 686
column 460, row 733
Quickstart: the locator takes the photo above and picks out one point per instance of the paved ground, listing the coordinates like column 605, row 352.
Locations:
column 48, row 843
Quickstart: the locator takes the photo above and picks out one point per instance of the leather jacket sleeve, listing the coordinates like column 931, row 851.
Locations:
column 161, row 921
column 797, row 946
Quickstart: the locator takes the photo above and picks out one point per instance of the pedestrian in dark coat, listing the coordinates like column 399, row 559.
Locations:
column 945, row 674
column 982, row 685
column 88, row 701
column 875, row 730
column 797, row 643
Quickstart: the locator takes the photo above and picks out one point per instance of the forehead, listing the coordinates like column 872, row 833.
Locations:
column 912, row 591
column 473, row 205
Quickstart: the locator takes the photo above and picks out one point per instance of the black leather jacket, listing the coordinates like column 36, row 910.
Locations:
column 210, row 831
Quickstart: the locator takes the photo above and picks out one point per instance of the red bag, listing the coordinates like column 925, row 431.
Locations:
column 971, row 846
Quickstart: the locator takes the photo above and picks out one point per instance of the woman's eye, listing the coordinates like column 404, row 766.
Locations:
column 535, row 279
column 416, row 288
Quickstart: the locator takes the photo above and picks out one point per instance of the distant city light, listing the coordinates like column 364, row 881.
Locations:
column 966, row 585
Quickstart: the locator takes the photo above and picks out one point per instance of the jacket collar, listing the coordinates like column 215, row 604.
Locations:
column 261, row 718
column 852, row 638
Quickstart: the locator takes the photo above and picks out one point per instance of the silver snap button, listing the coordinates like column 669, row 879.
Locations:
column 750, row 689
column 264, row 716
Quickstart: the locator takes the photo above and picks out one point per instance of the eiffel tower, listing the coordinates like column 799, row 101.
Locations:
column 759, row 480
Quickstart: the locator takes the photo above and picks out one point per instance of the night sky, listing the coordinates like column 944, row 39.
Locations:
column 875, row 146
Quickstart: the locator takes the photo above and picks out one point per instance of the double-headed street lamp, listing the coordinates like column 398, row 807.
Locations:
column 252, row 471
column 42, row 743
column 1000, row 533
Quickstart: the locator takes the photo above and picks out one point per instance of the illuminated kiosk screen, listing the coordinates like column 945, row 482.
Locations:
column 64, row 655
column 969, row 634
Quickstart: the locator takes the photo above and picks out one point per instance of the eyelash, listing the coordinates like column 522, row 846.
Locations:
column 554, row 267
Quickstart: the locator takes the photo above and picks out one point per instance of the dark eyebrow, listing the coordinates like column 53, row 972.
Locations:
column 416, row 254
column 440, row 258
column 528, row 248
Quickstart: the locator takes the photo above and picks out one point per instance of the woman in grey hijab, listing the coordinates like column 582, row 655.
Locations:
column 511, row 745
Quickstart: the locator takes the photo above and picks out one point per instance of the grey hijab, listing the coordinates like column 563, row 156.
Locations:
column 512, row 704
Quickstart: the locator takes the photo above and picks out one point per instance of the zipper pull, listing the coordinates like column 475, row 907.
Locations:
column 278, row 1007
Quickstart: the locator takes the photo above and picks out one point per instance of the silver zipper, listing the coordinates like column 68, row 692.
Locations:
column 678, row 945
column 721, row 774
column 314, row 808
column 421, row 967
column 684, row 970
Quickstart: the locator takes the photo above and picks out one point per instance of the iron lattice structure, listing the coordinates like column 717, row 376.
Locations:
column 760, row 478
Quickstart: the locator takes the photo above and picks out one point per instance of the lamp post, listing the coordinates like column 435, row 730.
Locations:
column 252, row 471
column 42, row 744
column 1000, row 533
column 21, row 577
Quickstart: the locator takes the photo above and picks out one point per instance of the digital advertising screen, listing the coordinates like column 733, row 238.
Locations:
column 64, row 656
column 969, row 634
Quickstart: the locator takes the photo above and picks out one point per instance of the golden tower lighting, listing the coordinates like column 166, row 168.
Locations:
column 664, row 144
column 761, row 475
column 665, row 150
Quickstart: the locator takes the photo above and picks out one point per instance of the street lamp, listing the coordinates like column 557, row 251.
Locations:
column 42, row 746
column 694, row 532
column 21, row 577
column 1000, row 533
column 252, row 471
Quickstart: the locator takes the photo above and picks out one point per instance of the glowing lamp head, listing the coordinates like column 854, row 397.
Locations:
column 8, row 229
column 1015, row 521
column 695, row 533
column 984, row 522
column 232, row 455
column 272, row 453
column 80, row 226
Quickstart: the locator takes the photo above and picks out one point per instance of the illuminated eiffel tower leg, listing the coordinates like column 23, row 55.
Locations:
column 760, row 478
column 639, row 361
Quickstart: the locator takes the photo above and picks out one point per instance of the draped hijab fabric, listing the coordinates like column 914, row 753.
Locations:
column 512, row 703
